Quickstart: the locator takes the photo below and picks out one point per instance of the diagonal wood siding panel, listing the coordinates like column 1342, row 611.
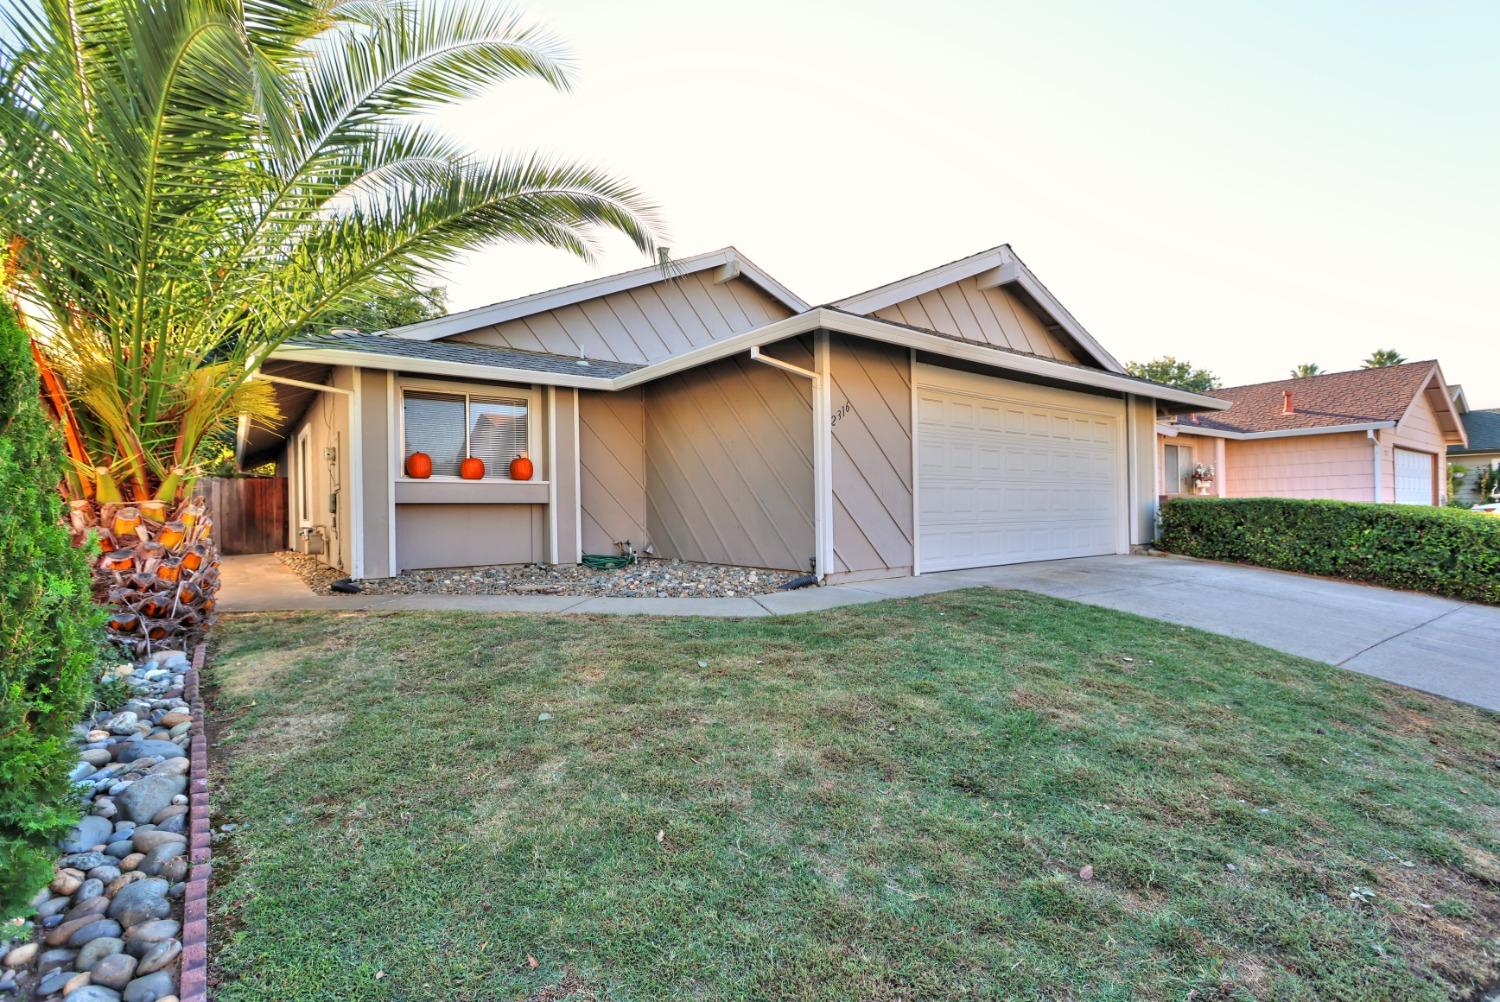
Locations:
column 646, row 324
column 872, row 477
column 729, row 476
column 988, row 316
column 612, row 448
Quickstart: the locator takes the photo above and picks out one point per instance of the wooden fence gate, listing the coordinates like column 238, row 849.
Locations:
column 249, row 513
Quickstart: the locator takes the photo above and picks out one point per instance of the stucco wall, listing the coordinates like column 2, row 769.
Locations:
column 872, row 476
column 470, row 535
column 1338, row 466
column 729, row 474
column 612, row 443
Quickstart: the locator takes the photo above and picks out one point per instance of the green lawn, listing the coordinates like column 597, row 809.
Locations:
column 891, row 801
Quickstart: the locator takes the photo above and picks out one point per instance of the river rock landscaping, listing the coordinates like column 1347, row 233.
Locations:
column 647, row 578
column 109, row 926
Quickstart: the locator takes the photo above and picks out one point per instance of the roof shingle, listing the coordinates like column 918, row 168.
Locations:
column 466, row 353
column 1484, row 432
column 1362, row 396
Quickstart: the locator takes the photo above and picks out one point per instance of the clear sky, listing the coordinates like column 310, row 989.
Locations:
column 1247, row 186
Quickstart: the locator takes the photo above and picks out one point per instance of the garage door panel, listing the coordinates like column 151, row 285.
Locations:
column 1004, row 480
column 1415, row 477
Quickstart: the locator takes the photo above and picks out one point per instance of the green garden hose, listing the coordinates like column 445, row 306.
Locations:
column 607, row 561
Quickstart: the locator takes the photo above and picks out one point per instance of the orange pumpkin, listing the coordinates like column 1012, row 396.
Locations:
column 521, row 468
column 471, row 468
column 419, row 466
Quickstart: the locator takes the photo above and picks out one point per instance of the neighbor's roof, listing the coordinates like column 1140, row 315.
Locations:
column 730, row 262
column 1361, row 397
column 461, row 352
column 1484, row 431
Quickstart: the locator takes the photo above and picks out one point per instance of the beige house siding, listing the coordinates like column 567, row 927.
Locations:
column 612, row 442
column 470, row 535
column 729, row 468
column 872, row 475
column 562, row 464
column 988, row 316
column 329, row 496
column 1418, row 430
column 1338, row 466
column 645, row 324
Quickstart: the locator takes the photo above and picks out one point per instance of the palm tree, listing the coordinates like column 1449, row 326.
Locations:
column 1383, row 357
column 1306, row 369
column 185, row 185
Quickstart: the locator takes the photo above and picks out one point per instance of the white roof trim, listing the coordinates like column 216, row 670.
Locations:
column 1248, row 436
column 439, row 367
column 814, row 319
column 1004, row 268
column 730, row 262
column 907, row 337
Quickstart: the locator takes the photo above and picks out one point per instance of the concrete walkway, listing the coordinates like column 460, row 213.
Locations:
column 1438, row 645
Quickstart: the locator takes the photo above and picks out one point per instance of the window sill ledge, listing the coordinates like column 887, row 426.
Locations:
column 456, row 491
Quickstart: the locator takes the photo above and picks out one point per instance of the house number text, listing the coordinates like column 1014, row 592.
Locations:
column 842, row 412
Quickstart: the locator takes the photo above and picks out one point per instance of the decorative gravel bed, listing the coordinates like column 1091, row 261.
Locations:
column 646, row 578
column 313, row 572
column 109, row 926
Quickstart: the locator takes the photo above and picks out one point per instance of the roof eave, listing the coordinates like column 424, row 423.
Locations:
column 440, row 367
column 1250, row 436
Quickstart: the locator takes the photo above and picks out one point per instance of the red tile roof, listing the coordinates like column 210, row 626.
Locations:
column 1363, row 396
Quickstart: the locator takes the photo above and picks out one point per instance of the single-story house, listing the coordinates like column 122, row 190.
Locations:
column 1368, row 435
column 1483, row 449
column 956, row 418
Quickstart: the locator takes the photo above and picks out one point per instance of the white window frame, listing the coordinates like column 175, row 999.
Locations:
column 1182, row 474
column 304, row 477
column 530, row 394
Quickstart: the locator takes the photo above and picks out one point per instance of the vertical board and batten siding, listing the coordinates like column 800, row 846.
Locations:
column 872, row 450
column 729, row 463
column 612, row 466
column 1418, row 431
column 646, row 324
column 987, row 316
column 249, row 513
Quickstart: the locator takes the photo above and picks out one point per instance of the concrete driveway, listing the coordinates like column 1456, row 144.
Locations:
column 1437, row 645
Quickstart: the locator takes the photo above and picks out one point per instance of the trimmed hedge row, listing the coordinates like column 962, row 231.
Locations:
column 1443, row 551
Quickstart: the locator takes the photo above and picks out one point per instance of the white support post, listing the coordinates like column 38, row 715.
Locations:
column 356, row 478
column 1221, row 472
column 916, row 469
column 822, row 455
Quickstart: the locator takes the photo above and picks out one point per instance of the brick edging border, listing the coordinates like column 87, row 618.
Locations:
column 192, row 979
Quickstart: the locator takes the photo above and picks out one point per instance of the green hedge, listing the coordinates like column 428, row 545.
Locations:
column 1439, row 550
column 49, row 629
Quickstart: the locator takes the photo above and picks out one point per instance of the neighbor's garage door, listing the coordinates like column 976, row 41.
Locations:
column 1009, row 472
column 1416, row 477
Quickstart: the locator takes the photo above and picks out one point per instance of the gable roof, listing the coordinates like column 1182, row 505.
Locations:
column 1484, row 431
column 730, row 262
column 995, row 266
column 1354, row 400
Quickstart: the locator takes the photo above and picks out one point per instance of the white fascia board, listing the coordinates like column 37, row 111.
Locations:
column 906, row 337
column 727, row 259
column 996, row 266
column 439, row 367
column 1252, row 436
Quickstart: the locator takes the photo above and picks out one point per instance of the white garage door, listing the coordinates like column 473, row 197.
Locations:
column 1009, row 472
column 1414, row 477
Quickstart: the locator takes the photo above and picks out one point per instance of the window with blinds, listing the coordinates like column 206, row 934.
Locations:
column 450, row 426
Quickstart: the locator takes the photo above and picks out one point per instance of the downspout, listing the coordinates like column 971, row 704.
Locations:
column 821, row 528
column 1374, row 436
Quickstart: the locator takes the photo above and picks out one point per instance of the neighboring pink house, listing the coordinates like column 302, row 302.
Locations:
column 1367, row 435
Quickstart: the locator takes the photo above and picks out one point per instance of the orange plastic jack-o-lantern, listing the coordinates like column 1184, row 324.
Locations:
column 471, row 468
column 419, row 466
column 520, row 468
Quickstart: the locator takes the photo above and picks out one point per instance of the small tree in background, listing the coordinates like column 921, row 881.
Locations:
column 49, row 630
column 1383, row 357
column 1176, row 373
column 1307, row 369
